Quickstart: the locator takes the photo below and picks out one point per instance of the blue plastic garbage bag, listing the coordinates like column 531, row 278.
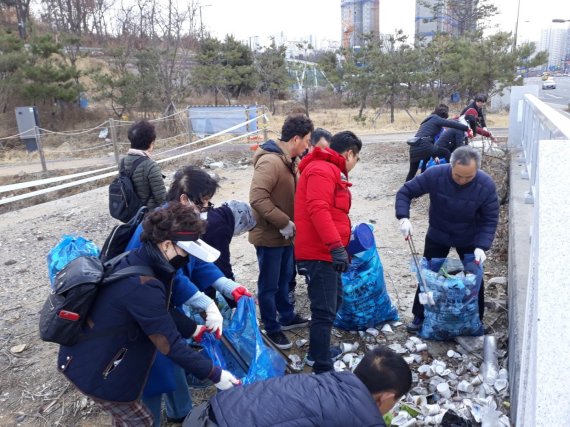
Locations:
column 365, row 301
column 431, row 162
column 454, row 289
column 243, row 332
column 69, row 248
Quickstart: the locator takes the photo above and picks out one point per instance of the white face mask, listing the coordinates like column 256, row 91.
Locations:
column 203, row 216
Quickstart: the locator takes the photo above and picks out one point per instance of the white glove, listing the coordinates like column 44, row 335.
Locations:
column 480, row 256
column 214, row 320
column 406, row 227
column 289, row 231
column 227, row 380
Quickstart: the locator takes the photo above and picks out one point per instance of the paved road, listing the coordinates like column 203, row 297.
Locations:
column 558, row 98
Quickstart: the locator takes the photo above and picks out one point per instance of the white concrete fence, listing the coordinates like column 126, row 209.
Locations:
column 539, row 262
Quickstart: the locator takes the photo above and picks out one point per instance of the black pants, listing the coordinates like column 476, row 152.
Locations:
column 435, row 250
column 325, row 294
column 440, row 152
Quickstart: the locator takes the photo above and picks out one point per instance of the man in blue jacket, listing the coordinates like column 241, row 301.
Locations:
column 463, row 213
column 332, row 399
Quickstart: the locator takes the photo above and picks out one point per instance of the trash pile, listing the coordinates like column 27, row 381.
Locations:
column 463, row 387
column 450, row 290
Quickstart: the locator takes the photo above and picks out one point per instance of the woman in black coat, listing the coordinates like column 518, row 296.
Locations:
column 425, row 148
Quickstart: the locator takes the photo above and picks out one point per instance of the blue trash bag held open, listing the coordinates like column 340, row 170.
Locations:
column 365, row 300
column 454, row 289
column 69, row 248
column 243, row 332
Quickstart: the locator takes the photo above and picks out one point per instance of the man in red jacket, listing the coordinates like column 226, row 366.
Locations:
column 322, row 203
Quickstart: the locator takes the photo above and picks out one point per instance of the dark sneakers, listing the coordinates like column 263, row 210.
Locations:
column 280, row 340
column 297, row 322
column 415, row 325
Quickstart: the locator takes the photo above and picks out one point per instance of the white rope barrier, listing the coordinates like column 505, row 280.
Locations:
column 106, row 175
column 38, row 182
column 73, row 132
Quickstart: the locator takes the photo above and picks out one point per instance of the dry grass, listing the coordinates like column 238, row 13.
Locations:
column 335, row 120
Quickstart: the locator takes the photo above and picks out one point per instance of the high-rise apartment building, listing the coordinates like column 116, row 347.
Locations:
column 359, row 17
column 554, row 41
column 450, row 18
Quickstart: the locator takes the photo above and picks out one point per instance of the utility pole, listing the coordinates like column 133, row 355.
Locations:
column 516, row 26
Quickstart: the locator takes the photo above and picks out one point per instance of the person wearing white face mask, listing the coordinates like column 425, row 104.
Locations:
column 129, row 323
column 198, row 274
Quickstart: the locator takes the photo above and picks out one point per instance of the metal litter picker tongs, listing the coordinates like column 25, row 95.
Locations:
column 425, row 296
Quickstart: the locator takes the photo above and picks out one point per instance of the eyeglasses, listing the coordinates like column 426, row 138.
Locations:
column 205, row 208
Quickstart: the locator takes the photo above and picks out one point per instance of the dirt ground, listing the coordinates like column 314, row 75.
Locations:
column 33, row 393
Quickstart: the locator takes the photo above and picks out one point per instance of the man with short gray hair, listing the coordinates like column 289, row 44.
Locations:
column 463, row 213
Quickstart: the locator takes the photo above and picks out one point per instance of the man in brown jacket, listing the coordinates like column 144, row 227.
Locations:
column 271, row 196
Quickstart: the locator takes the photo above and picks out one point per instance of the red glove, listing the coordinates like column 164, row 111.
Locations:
column 239, row 292
column 199, row 333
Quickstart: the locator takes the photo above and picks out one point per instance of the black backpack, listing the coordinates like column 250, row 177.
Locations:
column 75, row 289
column 121, row 235
column 123, row 199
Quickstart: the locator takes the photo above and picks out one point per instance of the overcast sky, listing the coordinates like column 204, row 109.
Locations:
column 301, row 18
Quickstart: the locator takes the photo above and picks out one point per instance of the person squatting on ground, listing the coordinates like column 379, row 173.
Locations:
column 332, row 399
column 271, row 197
column 322, row 204
column 130, row 321
column 451, row 138
column 430, row 127
column 477, row 104
column 191, row 282
column 147, row 177
column 319, row 138
column 463, row 213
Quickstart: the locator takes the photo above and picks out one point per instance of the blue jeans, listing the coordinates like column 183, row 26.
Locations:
column 325, row 294
column 178, row 402
column 275, row 272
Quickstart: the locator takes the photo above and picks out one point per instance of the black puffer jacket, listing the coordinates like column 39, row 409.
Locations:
column 429, row 128
column 148, row 181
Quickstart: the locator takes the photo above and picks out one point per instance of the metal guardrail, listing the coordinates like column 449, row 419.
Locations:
column 540, row 122
column 539, row 324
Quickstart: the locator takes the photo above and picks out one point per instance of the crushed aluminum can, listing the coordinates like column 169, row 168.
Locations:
column 398, row 348
column 477, row 380
column 348, row 358
column 339, row 366
column 431, row 409
column 296, row 362
column 401, row 418
column 444, row 390
column 372, row 331
column 465, row 387
column 501, row 384
column 410, row 345
column 420, row 391
column 421, row 347
column 301, row 342
column 503, row 374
